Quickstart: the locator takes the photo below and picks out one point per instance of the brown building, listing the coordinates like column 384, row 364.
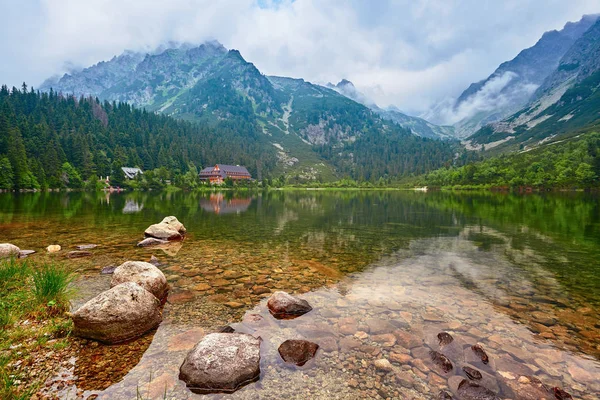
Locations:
column 220, row 172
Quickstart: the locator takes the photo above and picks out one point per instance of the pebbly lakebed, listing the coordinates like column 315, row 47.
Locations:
column 385, row 273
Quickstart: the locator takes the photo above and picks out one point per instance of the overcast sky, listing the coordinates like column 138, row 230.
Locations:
column 410, row 53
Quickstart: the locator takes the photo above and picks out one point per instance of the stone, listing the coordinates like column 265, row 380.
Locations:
column 53, row 248
column 168, row 229
column 122, row 313
column 260, row 290
column 154, row 261
column 221, row 362
column 441, row 361
column 472, row 373
column 561, row 394
column 78, row 254
column 480, row 353
column 328, row 344
column 383, row 365
column 297, row 352
column 349, row 343
column 472, row 391
column 443, row 395
column 285, row 306
column 385, row 339
column 400, row 358
column 407, row 339
column 234, row 304
column 25, row 253
column 109, row 269
column 151, row 242
column 86, row 246
column 144, row 274
column 378, row 326
column 530, row 388
column 8, row 250
column 444, row 338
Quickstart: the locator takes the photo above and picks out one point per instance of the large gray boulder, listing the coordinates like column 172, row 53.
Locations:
column 283, row 305
column 168, row 229
column 124, row 312
column 8, row 250
column 222, row 362
column 144, row 274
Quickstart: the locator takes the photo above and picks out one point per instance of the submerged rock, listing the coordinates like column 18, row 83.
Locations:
column 53, row 248
column 472, row 391
column 445, row 396
column 472, row 373
column 144, row 274
column 444, row 338
column 168, row 229
column 221, row 362
column 531, row 388
column 154, row 261
column 109, row 269
column 478, row 350
column 297, row 352
column 285, row 306
column 78, row 254
column 151, row 242
column 441, row 361
column 8, row 250
column 124, row 312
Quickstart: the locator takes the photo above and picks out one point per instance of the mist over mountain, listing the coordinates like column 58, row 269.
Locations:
column 512, row 85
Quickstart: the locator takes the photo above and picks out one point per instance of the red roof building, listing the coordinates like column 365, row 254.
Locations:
column 220, row 172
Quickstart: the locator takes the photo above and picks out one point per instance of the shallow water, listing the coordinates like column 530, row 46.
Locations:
column 384, row 271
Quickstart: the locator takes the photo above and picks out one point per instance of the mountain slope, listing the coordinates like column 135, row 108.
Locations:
column 416, row 125
column 309, row 129
column 567, row 103
column 512, row 84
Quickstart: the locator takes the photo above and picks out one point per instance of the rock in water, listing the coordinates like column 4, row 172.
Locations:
column 154, row 261
column 53, row 248
column 444, row 338
column 222, row 362
column 151, row 242
column 25, row 253
column 78, row 254
column 285, row 306
column 441, row 361
column 124, row 312
column 144, row 274
column 472, row 373
column 472, row 391
column 445, row 396
column 561, row 394
column 297, row 352
column 168, row 229
column 531, row 388
column 8, row 250
column 108, row 270
column 478, row 350
column 86, row 246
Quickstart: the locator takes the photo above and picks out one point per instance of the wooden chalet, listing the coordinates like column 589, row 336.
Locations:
column 220, row 172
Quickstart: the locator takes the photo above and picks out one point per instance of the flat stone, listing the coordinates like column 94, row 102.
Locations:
column 151, row 242
column 234, row 304
column 86, row 246
column 386, row 339
column 222, row 362
column 202, row 287
column 378, row 326
column 383, row 365
column 349, row 343
column 109, row 269
column 400, row 358
column 53, row 248
column 297, row 352
column 25, row 253
column 407, row 339
column 78, row 254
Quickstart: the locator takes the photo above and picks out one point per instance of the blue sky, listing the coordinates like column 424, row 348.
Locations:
column 411, row 53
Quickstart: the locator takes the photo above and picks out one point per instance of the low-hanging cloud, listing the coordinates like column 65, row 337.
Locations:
column 410, row 53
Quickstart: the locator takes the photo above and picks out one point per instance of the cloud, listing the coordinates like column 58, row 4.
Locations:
column 410, row 53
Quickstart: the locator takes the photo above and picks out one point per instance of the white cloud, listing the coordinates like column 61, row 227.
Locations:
column 409, row 53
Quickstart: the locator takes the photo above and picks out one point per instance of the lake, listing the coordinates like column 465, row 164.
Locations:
column 385, row 272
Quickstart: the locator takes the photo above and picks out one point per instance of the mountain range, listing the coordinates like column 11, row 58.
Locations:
column 315, row 131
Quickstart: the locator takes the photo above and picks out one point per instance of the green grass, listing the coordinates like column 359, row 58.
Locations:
column 39, row 294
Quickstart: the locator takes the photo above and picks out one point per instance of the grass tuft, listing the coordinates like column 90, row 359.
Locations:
column 51, row 286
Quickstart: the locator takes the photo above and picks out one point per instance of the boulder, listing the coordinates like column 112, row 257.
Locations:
column 297, row 352
column 144, row 274
column 480, row 353
column 441, row 361
column 472, row 391
column 122, row 313
column 53, row 248
column 168, row 229
column 8, row 250
column 285, row 306
column 151, row 242
column 222, row 362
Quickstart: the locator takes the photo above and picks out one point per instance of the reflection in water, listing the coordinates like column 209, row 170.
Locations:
column 384, row 271
column 132, row 206
column 218, row 204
